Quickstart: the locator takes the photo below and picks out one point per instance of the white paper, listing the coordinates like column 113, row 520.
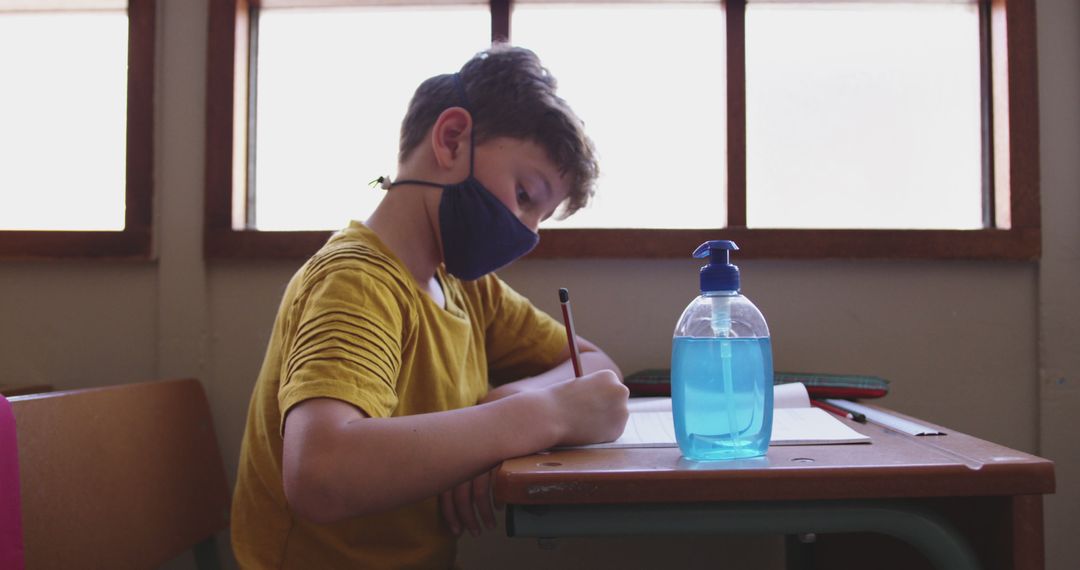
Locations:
column 811, row 426
column 791, row 395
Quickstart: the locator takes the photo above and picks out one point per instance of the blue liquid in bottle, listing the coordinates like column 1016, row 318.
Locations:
column 721, row 396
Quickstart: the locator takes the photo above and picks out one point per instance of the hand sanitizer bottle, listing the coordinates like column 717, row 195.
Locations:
column 721, row 367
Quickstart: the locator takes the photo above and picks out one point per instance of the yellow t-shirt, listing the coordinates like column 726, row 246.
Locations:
column 354, row 326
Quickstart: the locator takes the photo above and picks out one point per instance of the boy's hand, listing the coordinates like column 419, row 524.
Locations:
column 461, row 505
column 592, row 408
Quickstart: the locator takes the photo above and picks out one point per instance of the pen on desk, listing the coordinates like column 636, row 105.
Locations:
column 571, row 338
column 839, row 411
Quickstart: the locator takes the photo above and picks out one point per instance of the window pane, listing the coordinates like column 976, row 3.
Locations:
column 863, row 116
column 333, row 86
column 648, row 80
column 63, row 120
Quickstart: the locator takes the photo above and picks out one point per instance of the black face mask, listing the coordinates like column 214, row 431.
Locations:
column 479, row 233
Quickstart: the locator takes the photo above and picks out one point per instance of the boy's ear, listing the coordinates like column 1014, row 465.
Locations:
column 450, row 137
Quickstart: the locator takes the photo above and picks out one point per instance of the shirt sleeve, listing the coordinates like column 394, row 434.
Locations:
column 520, row 339
column 346, row 340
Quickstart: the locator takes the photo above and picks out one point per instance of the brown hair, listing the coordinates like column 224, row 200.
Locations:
column 509, row 94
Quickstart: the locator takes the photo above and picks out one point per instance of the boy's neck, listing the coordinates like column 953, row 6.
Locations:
column 406, row 221
column 407, row 218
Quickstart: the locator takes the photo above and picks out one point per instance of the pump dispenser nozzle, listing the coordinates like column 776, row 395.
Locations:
column 720, row 278
column 719, row 274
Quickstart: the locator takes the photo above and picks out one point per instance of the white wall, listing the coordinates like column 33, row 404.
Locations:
column 987, row 348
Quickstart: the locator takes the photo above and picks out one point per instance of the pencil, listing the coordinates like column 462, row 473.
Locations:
column 857, row 416
column 571, row 338
column 838, row 411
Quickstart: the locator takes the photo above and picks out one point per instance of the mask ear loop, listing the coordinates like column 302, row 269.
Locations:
column 472, row 132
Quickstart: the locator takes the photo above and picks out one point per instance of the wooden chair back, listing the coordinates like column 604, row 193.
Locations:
column 126, row 476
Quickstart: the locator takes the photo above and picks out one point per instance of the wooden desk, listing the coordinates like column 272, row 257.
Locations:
column 959, row 501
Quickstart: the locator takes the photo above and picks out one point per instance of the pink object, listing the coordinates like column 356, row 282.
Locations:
column 11, row 535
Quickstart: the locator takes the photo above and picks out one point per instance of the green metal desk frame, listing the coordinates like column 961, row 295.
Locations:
column 923, row 529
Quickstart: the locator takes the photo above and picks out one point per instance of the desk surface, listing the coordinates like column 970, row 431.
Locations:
column 893, row 465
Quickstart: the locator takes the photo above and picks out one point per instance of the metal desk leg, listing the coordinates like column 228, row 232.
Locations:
column 928, row 532
column 799, row 551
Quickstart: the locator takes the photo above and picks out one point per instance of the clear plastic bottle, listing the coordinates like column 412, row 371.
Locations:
column 721, row 367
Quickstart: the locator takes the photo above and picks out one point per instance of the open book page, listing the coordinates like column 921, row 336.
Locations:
column 811, row 426
column 795, row 422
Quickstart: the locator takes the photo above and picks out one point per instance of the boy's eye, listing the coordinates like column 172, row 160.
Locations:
column 523, row 196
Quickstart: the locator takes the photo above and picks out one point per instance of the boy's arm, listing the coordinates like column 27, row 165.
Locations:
column 338, row 463
column 592, row 360
column 470, row 503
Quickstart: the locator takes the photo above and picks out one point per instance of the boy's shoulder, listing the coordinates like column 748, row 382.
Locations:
column 355, row 251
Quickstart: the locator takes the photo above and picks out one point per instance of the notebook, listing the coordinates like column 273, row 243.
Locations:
column 795, row 422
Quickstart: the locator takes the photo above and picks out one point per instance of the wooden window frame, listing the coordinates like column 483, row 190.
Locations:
column 1010, row 125
column 135, row 240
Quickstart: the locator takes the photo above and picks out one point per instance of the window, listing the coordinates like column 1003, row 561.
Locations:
column 346, row 131
column 77, row 115
column 665, row 134
column 729, row 91
column 861, row 127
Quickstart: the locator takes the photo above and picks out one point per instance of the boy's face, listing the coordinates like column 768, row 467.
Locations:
column 520, row 174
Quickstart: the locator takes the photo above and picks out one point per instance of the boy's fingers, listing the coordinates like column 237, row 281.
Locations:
column 446, row 505
column 481, row 492
column 464, row 505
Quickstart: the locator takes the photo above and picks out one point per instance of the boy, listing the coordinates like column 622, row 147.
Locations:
column 363, row 446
